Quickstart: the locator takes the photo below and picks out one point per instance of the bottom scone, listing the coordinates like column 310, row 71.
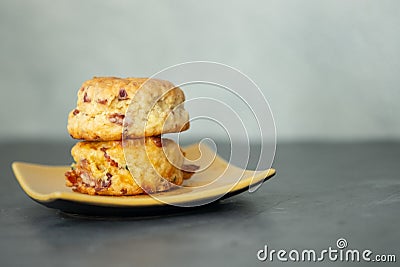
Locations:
column 148, row 165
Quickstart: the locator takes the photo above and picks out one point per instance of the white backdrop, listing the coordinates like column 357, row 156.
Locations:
column 330, row 69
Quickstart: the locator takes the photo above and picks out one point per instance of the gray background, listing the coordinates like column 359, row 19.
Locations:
column 330, row 69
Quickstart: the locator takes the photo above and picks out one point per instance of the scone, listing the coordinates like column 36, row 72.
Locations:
column 103, row 103
column 101, row 168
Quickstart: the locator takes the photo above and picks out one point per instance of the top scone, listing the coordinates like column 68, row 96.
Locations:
column 103, row 104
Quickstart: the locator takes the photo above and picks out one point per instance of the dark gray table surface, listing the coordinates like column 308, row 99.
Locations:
column 321, row 192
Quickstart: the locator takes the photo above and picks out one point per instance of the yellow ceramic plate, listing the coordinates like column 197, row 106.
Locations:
column 46, row 185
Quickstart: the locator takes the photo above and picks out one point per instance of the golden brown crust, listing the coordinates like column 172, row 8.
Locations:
column 101, row 168
column 103, row 102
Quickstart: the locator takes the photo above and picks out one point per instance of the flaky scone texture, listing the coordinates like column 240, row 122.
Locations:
column 148, row 165
column 103, row 103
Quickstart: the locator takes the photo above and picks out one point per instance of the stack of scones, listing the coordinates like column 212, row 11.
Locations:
column 120, row 122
